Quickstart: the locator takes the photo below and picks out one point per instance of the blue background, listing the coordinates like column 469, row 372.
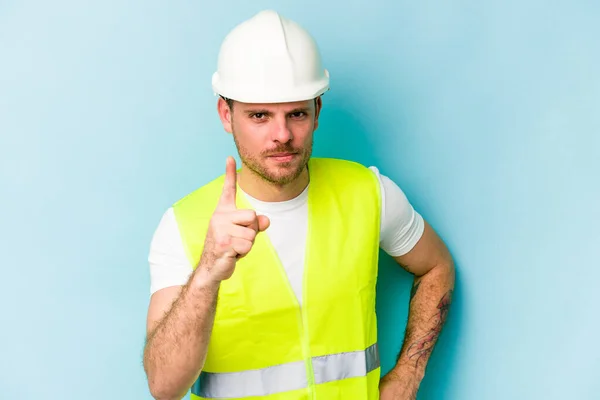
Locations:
column 485, row 113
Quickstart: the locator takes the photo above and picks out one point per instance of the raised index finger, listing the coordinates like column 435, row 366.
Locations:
column 229, row 186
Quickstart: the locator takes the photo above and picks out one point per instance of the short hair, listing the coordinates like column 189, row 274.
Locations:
column 230, row 102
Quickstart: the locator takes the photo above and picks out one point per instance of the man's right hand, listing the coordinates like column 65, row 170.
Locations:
column 231, row 231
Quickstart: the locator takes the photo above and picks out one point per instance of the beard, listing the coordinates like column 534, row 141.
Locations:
column 282, row 174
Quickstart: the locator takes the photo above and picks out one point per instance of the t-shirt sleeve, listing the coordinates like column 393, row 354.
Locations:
column 401, row 225
column 169, row 265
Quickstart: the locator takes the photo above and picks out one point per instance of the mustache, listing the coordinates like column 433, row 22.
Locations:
column 280, row 149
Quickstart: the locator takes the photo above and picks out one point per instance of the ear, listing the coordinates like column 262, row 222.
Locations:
column 225, row 114
column 318, row 105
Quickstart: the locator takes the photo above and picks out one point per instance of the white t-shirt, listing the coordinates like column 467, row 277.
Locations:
column 401, row 228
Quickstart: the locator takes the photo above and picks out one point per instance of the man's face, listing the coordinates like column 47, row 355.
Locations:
column 273, row 140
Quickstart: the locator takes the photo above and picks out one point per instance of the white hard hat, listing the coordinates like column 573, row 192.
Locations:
column 269, row 59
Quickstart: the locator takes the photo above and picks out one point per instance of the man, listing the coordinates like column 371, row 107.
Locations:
column 263, row 280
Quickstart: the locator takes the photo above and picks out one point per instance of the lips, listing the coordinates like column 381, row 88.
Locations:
column 282, row 154
column 282, row 157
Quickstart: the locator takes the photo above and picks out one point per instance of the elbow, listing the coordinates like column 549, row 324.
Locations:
column 158, row 397
column 162, row 389
column 448, row 270
column 168, row 380
column 443, row 270
column 161, row 392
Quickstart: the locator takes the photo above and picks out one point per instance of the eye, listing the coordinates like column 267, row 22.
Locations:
column 298, row 114
column 258, row 116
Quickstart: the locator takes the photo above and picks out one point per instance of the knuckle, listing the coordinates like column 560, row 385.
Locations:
column 245, row 247
column 223, row 241
column 249, row 215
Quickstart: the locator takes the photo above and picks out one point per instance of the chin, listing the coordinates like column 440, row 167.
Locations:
column 284, row 174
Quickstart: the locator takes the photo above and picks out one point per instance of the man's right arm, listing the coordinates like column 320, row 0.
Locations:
column 180, row 318
column 179, row 325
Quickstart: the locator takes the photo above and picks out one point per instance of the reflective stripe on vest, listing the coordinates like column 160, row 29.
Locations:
column 286, row 377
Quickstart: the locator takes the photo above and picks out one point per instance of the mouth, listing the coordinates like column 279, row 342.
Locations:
column 282, row 157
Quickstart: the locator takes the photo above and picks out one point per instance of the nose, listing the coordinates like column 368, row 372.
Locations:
column 281, row 131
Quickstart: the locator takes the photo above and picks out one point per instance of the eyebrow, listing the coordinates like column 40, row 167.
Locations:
column 257, row 111
column 267, row 112
column 300, row 109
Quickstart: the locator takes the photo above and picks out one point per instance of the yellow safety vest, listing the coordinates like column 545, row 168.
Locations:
column 263, row 344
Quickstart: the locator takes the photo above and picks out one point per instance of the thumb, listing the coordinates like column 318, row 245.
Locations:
column 263, row 223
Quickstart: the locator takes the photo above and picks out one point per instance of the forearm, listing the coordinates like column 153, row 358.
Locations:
column 430, row 301
column 176, row 349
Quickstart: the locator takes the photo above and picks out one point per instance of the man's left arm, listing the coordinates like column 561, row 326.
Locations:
column 430, row 299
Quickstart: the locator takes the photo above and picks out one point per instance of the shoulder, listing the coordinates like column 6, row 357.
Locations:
column 202, row 200
column 338, row 169
column 337, row 164
column 347, row 179
column 169, row 265
column 401, row 225
column 388, row 186
column 203, row 191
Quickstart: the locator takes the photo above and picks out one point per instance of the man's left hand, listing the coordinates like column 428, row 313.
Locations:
column 398, row 386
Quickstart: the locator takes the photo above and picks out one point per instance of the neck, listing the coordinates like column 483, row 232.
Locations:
column 263, row 190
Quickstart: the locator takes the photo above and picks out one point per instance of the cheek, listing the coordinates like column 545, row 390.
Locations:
column 248, row 137
column 303, row 135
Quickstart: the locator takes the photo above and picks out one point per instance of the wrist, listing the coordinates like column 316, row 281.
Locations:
column 408, row 374
column 411, row 363
column 204, row 280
